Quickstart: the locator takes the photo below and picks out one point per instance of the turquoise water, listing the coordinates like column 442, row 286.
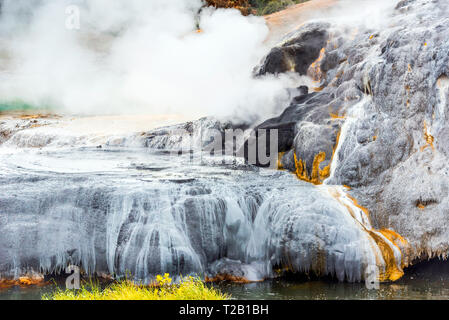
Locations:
column 6, row 106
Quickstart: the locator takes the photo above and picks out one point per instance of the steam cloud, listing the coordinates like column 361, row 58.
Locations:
column 136, row 56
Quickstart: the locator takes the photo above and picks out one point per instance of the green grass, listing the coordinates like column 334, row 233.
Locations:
column 187, row 289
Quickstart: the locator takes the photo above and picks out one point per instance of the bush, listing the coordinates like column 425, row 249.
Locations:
column 260, row 7
column 188, row 289
column 242, row 5
column 276, row 5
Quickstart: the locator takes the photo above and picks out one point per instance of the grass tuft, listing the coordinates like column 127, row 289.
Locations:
column 188, row 288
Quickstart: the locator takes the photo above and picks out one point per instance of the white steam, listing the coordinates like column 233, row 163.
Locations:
column 136, row 56
column 367, row 14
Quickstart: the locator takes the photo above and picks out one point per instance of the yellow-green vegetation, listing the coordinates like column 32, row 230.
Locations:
column 265, row 7
column 188, row 288
column 260, row 7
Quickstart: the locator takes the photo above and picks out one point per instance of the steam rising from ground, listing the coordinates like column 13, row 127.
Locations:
column 136, row 56
column 354, row 13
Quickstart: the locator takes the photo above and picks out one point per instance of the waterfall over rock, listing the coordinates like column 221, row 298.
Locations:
column 134, row 208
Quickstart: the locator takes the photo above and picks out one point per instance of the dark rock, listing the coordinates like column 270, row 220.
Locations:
column 303, row 90
column 298, row 51
column 293, row 129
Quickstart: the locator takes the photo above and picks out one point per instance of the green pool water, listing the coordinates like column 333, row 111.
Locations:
column 17, row 105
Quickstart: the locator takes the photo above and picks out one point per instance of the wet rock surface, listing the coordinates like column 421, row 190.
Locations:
column 232, row 223
column 297, row 50
column 383, row 95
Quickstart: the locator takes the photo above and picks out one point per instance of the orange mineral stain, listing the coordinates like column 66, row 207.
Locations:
column 317, row 175
column 385, row 240
column 315, row 71
column 428, row 138
column 23, row 282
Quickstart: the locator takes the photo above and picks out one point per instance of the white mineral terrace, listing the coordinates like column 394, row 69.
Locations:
column 125, row 207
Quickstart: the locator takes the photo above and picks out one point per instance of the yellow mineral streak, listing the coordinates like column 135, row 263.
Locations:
column 317, row 175
column 386, row 240
column 399, row 242
column 315, row 71
column 336, row 116
column 280, row 166
column 27, row 116
column 392, row 271
column 318, row 89
column 428, row 137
